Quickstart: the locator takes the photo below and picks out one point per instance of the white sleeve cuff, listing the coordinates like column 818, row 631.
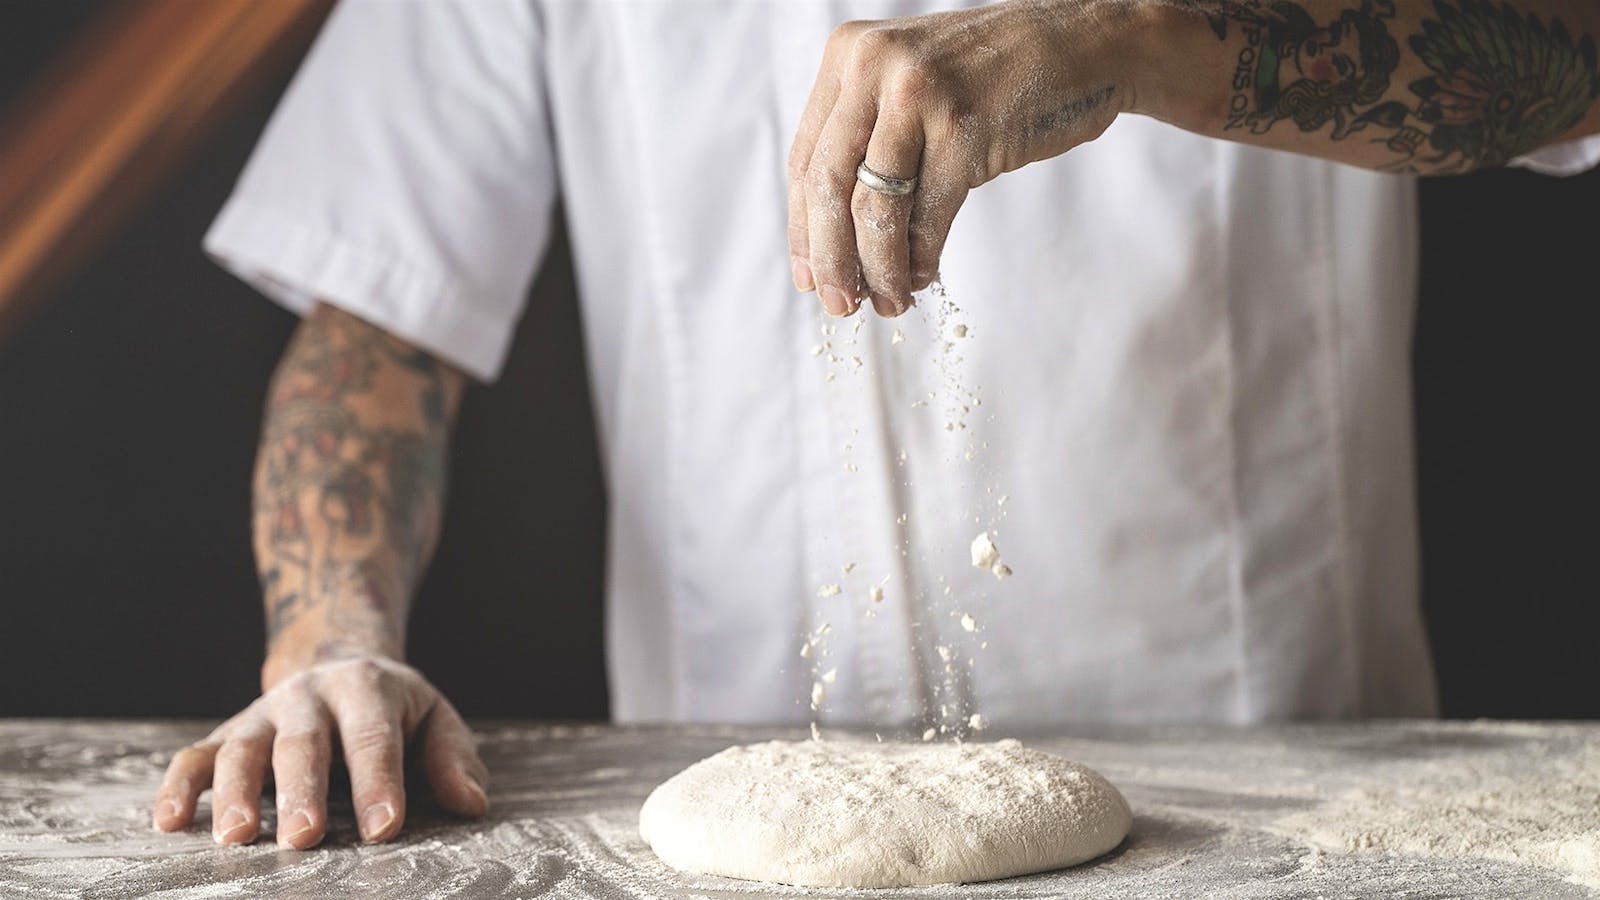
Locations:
column 1572, row 157
column 299, row 264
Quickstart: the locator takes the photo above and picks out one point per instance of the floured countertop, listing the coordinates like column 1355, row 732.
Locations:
column 1481, row 809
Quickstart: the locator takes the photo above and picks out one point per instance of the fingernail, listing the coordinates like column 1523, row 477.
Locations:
column 802, row 276
column 377, row 817
column 293, row 826
column 477, row 790
column 166, row 811
column 231, row 826
column 835, row 301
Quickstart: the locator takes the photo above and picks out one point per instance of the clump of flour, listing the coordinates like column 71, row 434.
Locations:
column 985, row 555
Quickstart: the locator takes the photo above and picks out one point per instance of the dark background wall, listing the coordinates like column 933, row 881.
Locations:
column 128, row 416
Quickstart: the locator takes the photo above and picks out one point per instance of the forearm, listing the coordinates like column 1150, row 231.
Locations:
column 349, row 489
column 1425, row 86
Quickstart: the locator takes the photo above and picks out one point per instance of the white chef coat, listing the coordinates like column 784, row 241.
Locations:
column 1191, row 355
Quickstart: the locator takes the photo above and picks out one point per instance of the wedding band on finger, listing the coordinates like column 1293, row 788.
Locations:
column 883, row 184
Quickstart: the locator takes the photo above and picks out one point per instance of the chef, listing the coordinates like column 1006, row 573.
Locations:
column 1165, row 372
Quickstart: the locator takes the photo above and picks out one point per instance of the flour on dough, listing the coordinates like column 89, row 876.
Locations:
column 876, row 815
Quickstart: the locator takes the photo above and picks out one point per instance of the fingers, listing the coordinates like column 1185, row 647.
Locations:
column 830, row 187
column 301, row 755
column 187, row 776
column 881, row 220
column 375, row 705
column 849, row 240
column 824, row 92
column 373, row 741
column 241, row 766
column 941, row 189
column 455, row 772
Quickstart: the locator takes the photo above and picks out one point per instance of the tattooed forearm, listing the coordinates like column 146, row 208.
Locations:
column 350, row 480
column 1445, row 87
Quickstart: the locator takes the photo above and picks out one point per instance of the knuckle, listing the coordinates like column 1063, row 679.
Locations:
column 365, row 676
column 844, row 36
column 370, row 737
column 187, row 761
column 295, row 683
column 288, row 699
column 946, row 125
column 872, row 47
column 300, row 742
column 825, row 186
column 908, row 87
column 238, row 751
column 799, row 161
column 875, row 225
column 367, row 671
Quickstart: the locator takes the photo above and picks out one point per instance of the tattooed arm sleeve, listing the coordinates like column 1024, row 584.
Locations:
column 349, row 488
column 1423, row 86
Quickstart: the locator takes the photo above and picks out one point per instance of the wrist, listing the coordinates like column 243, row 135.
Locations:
column 1178, row 72
column 289, row 655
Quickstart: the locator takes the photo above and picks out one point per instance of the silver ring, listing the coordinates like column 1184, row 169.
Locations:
column 883, row 184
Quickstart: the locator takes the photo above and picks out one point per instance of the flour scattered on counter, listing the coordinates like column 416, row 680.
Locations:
column 875, row 594
column 959, row 331
column 1539, row 806
column 968, row 623
column 827, row 590
column 898, row 337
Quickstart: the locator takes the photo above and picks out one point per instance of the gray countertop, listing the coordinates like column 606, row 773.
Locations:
column 1357, row 810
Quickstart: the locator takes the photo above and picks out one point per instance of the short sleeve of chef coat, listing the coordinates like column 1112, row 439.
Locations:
column 1565, row 158
column 407, row 176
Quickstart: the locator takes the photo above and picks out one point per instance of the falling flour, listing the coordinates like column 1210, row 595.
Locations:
column 985, row 555
column 877, row 815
